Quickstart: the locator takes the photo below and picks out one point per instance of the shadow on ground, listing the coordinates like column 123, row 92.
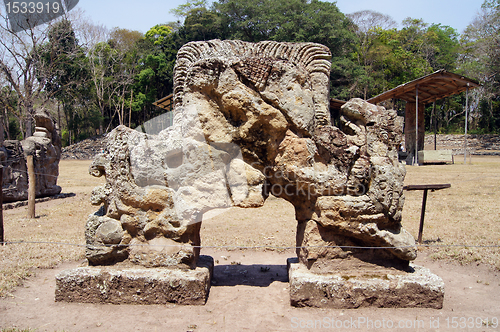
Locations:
column 249, row 275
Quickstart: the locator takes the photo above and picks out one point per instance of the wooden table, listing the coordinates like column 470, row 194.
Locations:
column 425, row 188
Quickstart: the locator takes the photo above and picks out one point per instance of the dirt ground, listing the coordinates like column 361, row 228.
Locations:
column 243, row 298
column 245, row 295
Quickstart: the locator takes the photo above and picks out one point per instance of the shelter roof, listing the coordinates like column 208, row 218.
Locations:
column 165, row 102
column 432, row 87
column 336, row 104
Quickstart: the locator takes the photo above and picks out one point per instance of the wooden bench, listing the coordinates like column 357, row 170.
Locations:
column 435, row 157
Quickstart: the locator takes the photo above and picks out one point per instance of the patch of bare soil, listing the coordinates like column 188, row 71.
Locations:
column 251, row 294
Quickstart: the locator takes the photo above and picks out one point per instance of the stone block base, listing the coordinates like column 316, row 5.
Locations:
column 435, row 157
column 349, row 289
column 135, row 285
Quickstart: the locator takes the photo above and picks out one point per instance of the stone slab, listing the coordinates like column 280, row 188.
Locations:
column 350, row 289
column 134, row 285
column 435, row 157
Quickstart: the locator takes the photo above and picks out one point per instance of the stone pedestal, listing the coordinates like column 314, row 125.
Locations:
column 136, row 285
column 349, row 289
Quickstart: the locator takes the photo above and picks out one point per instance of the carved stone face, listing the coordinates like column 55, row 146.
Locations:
column 288, row 88
column 277, row 83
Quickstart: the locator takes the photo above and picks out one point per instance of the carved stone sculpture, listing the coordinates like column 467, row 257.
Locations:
column 45, row 146
column 252, row 120
column 15, row 172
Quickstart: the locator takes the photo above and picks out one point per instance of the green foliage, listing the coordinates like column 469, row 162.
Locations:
column 63, row 65
column 295, row 21
column 480, row 59
column 446, row 47
column 158, row 34
column 203, row 24
column 154, row 79
column 123, row 75
column 185, row 9
column 490, row 116
column 390, row 57
column 14, row 129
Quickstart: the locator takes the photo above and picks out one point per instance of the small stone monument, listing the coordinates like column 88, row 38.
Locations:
column 45, row 146
column 251, row 120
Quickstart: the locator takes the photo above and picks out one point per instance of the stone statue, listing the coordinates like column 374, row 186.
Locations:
column 45, row 146
column 250, row 120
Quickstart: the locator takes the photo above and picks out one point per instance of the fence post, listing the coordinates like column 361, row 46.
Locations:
column 31, row 187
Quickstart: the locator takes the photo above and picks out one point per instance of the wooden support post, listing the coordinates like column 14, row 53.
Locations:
column 411, row 127
column 422, row 216
column 2, row 239
column 31, row 187
column 434, row 124
column 416, row 126
column 466, row 120
column 425, row 188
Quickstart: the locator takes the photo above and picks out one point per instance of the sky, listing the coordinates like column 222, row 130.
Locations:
column 143, row 14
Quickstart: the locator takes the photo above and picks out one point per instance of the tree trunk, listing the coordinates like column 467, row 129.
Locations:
column 6, row 118
column 122, row 121
column 101, row 127
column 71, row 139
column 31, row 187
column 29, row 120
column 130, row 109
column 446, row 114
column 2, row 239
column 66, row 117
column 101, row 120
column 21, row 120
column 59, row 117
column 2, row 131
column 29, row 127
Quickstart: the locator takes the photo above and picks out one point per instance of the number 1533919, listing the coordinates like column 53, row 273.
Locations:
column 471, row 322
column 31, row 7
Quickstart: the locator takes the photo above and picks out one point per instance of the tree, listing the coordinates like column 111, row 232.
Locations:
column 24, row 68
column 68, row 79
column 295, row 21
column 113, row 66
column 203, row 24
column 154, row 78
column 102, row 59
column 480, row 59
column 392, row 57
column 366, row 20
column 446, row 47
column 183, row 10
column 370, row 52
column 125, row 41
column 9, row 109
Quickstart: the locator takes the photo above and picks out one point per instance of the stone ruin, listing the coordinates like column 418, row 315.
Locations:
column 45, row 147
column 251, row 120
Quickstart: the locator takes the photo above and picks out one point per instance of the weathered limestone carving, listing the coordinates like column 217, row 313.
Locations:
column 252, row 120
column 15, row 172
column 45, row 146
